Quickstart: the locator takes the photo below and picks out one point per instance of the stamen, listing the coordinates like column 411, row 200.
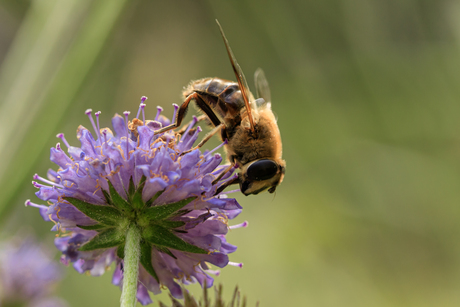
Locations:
column 159, row 109
column 28, row 203
column 61, row 136
column 193, row 138
column 143, row 98
column 126, row 114
column 104, row 133
column 231, row 191
column 176, row 107
column 97, row 122
column 235, row 264
column 39, row 185
column 88, row 112
column 226, row 168
column 143, row 113
column 218, row 147
column 36, row 177
column 228, row 179
column 213, row 272
column 242, row 225
column 193, row 123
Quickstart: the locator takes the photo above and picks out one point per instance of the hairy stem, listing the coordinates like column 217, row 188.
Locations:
column 131, row 267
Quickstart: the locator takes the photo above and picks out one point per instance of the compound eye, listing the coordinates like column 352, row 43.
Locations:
column 262, row 170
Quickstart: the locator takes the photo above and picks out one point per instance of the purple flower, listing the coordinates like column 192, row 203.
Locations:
column 27, row 275
column 133, row 177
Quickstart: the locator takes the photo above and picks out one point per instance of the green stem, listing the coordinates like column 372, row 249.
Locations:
column 131, row 267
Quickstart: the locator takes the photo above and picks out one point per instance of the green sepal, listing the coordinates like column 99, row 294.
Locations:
column 107, row 197
column 165, row 211
column 118, row 201
column 162, row 237
column 131, row 188
column 166, row 251
column 170, row 224
column 146, row 259
column 121, row 251
column 180, row 213
column 108, row 238
column 106, row 215
column 180, row 231
column 151, row 200
column 97, row 227
column 137, row 197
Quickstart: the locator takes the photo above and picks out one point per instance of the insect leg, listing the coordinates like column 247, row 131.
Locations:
column 199, row 119
column 205, row 139
column 206, row 108
column 180, row 115
column 222, row 174
column 225, row 185
column 183, row 109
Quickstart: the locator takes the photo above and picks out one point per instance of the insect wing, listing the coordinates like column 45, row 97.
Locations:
column 243, row 85
column 262, row 88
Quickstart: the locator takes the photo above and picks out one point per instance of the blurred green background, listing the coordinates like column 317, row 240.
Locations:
column 368, row 102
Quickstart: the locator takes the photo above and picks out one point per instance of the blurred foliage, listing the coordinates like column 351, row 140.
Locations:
column 204, row 301
column 367, row 98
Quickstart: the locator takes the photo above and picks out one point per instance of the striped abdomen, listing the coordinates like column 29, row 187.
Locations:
column 223, row 97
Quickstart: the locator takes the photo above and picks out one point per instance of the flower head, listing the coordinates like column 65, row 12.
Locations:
column 157, row 183
column 27, row 274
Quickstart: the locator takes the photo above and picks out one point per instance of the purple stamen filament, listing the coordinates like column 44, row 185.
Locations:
column 231, row 191
column 36, row 177
column 228, row 179
column 159, row 109
column 126, row 114
column 143, row 113
column 28, row 203
column 241, row 225
column 141, row 106
column 193, row 123
column 176, row 107
column 61, row 136
column 193, row 138
column 217, row 147
column 88, row 112
column 97, row 122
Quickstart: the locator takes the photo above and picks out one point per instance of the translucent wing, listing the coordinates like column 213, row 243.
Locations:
column 262, row 88
column 243, row 85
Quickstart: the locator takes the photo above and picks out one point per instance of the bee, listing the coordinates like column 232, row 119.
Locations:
column 248, row 125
